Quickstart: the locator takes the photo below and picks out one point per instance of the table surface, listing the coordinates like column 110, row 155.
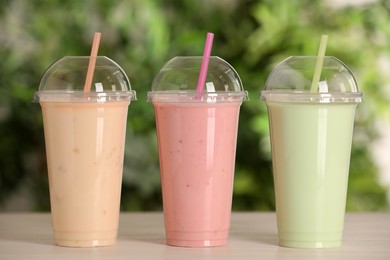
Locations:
column 141, row 236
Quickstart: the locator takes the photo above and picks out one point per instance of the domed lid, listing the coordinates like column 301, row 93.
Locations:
column 64, row 81
column 291, row 80
column 177, row 82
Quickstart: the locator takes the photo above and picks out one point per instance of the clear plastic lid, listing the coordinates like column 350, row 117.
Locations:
column 64, row 81
column 178, row 79
column 291, row 80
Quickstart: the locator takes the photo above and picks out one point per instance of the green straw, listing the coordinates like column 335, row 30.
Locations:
column 319, row 63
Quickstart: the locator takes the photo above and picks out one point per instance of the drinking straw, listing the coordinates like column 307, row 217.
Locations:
column 205, row 64
column 92, row 62
column 319, row 63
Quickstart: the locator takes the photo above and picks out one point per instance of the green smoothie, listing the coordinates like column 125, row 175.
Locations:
column 311, row 126
column 311, row 145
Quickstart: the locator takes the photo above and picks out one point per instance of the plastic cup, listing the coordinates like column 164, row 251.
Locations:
column 197, row 144
column 311, row 136
column 85, row 137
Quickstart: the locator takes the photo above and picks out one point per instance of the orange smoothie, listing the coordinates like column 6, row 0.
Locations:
column 197, row 147
column 85, row 149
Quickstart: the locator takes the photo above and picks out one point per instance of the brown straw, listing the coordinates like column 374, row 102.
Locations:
column 92, row 62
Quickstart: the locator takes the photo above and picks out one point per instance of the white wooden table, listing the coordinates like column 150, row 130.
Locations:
column 141, row 236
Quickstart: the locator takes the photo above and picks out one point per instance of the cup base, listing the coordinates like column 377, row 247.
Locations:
column 310, row 239
column 310, row 244
column 196, row 243
column 197, row 239
column 85, row 239
column 85, row 243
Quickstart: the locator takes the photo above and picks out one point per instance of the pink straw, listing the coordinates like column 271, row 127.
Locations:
column 205, row 64
column 92, row 62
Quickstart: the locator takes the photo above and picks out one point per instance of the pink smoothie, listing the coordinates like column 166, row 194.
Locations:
column 197, row 146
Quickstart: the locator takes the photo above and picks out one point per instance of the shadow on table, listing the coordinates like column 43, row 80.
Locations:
column 148, row 239
column 258, row 237
column 31, row 239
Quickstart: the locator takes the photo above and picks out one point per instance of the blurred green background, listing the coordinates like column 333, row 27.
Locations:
column 141, row 35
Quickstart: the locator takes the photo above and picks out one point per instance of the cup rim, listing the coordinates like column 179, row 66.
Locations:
column 304, row 97
column 192, row 97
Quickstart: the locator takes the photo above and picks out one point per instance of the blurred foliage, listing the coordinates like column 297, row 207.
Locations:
column 141, row 35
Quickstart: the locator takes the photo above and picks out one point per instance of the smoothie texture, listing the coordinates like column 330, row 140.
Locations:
column 311, row 128
column 311, row 147
column 85, row 147
column 197, row 135
column 197, row 145
column 85, row 140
